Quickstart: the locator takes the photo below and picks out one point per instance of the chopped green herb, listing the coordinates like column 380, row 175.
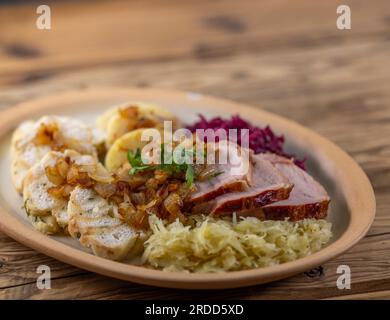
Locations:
column 134, row 170
column 214, row 174
column 135, row 159
column 26, row 207
column 171, row 167
column 190, row 175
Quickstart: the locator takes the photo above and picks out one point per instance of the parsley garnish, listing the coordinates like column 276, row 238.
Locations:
column 136, row 163
column 190, row 175
column 173, row 168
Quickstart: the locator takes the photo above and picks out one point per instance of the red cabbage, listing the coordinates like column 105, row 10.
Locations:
column 260, row 139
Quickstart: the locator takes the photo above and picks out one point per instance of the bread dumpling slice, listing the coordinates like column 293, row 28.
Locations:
column 44, row 179
column 38, row 203
column 87, row 209
column 61, row 216
column 45, row 224
column 118, row 121
column 31, row 141
column 21, row 164
column 95, row 222
column 24, row 153
column 114, row 243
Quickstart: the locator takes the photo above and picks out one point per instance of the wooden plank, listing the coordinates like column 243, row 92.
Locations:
column 93, row 34
column 369, row 273
column 18, row 264
column 377, row 295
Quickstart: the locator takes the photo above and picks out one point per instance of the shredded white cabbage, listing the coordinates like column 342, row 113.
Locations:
column 213, row 245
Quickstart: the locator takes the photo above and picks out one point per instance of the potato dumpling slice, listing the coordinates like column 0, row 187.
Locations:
column 117, row 154
column 103, row 120
column 120, row 120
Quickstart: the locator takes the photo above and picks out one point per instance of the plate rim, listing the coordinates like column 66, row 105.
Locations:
column 358, row 225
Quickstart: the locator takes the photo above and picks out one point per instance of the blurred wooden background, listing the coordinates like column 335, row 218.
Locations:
column 284, row 56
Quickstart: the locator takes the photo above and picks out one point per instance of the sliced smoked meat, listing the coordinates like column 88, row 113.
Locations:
column 265, row 185
column 308, row 199
column 219, row 185
column 234, row 173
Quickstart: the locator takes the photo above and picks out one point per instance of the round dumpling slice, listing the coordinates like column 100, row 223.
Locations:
column 120, row 120
column 117, row 154
column 38, row 202
column 46, row 187
column 94, row 221
column 33, row 140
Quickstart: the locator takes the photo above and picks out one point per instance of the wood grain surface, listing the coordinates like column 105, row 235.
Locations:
column 284, row 56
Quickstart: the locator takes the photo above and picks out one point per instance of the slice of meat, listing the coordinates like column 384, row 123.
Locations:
column 308, row 199
column 265, row 185
column 234, row 173
column 221, row 184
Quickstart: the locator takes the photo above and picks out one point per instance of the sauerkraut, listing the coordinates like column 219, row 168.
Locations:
column 212, row 245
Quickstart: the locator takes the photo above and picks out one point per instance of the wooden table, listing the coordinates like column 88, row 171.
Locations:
column 284, row 56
